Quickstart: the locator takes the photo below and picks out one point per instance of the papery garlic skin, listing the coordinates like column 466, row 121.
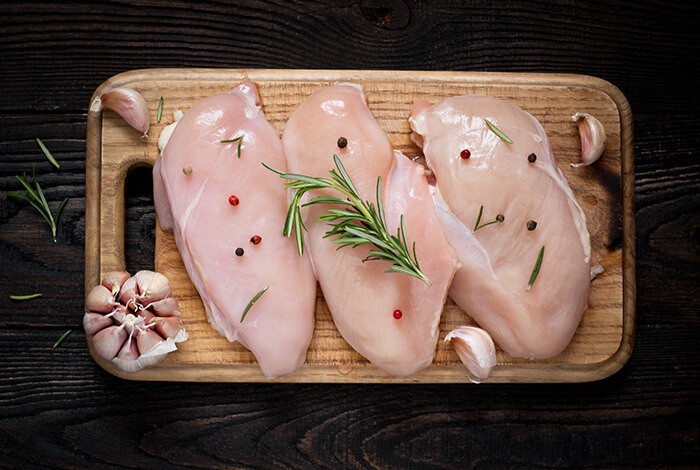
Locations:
column 129, row 104
column 593, row 138
column 475, row 349
column 133, row 320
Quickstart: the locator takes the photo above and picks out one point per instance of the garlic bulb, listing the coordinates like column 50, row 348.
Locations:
column 475, row 349
column 133, row 321
column 593, row 138
column 129, row 104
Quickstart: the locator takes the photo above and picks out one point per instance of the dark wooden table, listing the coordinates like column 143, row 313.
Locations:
column 60, row 410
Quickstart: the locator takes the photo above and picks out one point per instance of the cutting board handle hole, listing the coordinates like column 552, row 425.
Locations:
column 139, row 219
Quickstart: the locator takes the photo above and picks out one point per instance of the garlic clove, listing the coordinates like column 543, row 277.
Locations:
column 127, row 103
column 119, row 313
column 94, row 322
column 593, row 138
column 128, row 293
column 158, row 352
column 475, row 349
column 109, row 341
column 166, row 307
column 100, row 300
column 128, row 358
column 152, row 286
column 147, row 339
column 596, row 270
column 114, row 280
column 171, row 327
column 168, row 130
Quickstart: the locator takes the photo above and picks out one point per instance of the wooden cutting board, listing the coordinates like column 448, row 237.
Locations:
column 604, row 339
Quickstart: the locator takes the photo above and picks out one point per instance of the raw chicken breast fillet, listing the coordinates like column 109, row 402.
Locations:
column 194, row 179
column 362, row 298
column 498, row 259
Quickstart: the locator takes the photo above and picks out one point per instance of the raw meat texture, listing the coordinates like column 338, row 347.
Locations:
column 360, row 295
column 208, row 229
column 497, row 260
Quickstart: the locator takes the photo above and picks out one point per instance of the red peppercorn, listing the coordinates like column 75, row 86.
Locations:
column 398, row 314
column 233, row 200
column 465, row 154
column 255, row 239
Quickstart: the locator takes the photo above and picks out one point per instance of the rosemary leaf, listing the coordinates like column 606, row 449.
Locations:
column 252, row 302
column 35, row 197
column 536, row 269
column 62, row 338
column 359, row 223
column 485, row 224
column 238, row 139
column 159, row 112
column 497, row 131
column 478, row 219
column 48, row 154
column 25, row 297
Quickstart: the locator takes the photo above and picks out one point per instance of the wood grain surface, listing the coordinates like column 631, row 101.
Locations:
column 603, row 341
column 59, row 409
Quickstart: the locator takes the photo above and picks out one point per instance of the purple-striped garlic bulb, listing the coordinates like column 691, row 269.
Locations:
column 133, row 321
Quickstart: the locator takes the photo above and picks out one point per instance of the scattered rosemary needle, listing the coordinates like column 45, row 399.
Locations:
column 25, row 297
column 62, row 338
column 498, row 132
column 47, row 153
column 252, row 302
column 159, row 112
column 478, row 220
column 35, row 197
column 238, row 139
column 361, row 223
column 536, row 269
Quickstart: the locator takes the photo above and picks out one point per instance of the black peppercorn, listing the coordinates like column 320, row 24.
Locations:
column 342, row 142
column 531, row 225
column 239, row 251
column 531, row 158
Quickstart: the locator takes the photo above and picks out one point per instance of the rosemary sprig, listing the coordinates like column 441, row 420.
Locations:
column 498, row 132
column 159, row 111
column 25, row 297
column 359, row 223
column 35, row 197
column 62, row 338
column 47, row 154
column 478, row 220
column 252, row 302
column 536, row 269
column 238, row 139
